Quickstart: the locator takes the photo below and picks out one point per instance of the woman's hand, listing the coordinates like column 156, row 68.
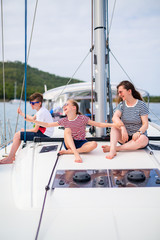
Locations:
column 124, row 134
column 136, row 136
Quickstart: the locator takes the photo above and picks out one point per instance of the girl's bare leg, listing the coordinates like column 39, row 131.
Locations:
column 70, row 145
column 15, row 145
column 86, row 147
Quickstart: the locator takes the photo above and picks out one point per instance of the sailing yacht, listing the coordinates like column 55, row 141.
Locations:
column 15, row 100
column 46, row 196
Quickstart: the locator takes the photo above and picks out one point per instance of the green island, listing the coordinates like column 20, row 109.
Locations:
column 36, row 79
column 153, row 99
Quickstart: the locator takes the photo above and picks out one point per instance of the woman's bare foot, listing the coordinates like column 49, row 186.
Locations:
column 7, row 160
column 106, row 148
column 111, row 155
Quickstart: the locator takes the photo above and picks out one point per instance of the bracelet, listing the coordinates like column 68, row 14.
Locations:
column 140, row 132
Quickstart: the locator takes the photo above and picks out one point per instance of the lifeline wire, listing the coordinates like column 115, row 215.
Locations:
column 45, row 196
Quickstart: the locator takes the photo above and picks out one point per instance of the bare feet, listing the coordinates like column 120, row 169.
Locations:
column 7, row 160
column 106, row 148
column 68, row 151
column 78, row 159
column 111, row 155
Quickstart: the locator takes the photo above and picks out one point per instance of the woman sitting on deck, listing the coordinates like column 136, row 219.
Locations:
column 132, row 113
column 74, row 134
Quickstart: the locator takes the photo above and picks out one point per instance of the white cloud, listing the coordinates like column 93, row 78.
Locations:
column 62, row 35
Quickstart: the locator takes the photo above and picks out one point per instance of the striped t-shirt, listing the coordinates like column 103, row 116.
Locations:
column 77, row 126
column 131, row 115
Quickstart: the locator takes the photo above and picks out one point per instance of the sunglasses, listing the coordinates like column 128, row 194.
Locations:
column 32, row 103
column 65, row 105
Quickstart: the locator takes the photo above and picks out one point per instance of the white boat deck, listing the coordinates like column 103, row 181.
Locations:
column 77, row 213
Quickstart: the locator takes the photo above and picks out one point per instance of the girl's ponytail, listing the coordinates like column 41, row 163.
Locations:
column 74, row 103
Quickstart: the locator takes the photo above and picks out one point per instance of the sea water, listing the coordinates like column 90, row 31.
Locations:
column 154, row 112
column 11, row 117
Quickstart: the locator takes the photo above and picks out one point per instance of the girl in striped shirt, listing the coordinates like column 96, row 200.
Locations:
column 132, row 114
column 74, row 133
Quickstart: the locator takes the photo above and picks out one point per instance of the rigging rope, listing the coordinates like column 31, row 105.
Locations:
column 74, row 73
column 25, row 69
column 120, row 65
column 4, row 96
column 108, row 70
column 91, row 50
column 116, row 58
column 92, row 44
column 131, row 81
column 112, row 17
column 29, row 47
column 154, row 114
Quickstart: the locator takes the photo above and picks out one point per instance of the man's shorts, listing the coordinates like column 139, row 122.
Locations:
column 78, row 143
column 30, row 135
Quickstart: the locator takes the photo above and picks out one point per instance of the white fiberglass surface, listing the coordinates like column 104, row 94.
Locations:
column 97, row 160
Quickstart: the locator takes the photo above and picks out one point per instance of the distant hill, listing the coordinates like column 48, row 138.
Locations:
column 36, row 79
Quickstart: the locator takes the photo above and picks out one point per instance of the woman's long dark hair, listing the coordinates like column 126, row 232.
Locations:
column 74, row 103
column 128, row 85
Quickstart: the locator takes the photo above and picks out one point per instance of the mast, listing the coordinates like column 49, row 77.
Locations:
column 100, row 64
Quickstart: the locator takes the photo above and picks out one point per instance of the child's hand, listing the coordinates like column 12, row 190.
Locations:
column 19, row 111
column 29, row 118
column 119, row 125
column 115, row 125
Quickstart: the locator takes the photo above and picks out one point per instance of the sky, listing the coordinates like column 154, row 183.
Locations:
column 62, row 38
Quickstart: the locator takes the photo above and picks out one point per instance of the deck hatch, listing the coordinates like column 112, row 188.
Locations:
column 115, row 178
column 135, row 177
column 76, row 179
column 48, row 148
